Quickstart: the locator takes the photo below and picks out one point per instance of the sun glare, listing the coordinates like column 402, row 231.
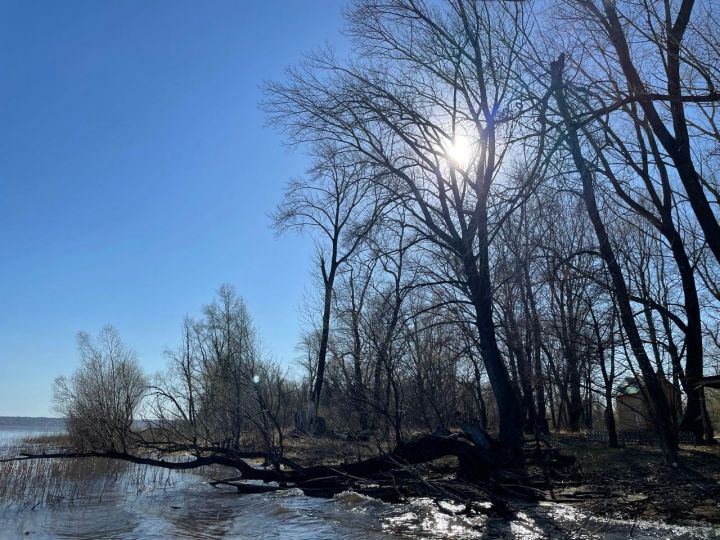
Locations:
column 459, row 151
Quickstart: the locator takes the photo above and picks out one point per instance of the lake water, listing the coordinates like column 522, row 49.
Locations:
column 18, row 427
column 93, row 499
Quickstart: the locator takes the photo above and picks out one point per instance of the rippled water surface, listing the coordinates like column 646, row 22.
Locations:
column 92, row 499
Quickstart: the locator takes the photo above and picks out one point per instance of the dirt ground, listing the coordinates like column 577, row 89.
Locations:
column 632, row 482
column 624, row 483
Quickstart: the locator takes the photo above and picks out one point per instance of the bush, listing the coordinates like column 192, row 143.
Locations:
column 101, row 397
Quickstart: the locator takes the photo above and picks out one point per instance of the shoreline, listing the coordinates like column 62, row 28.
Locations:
column 628, row 483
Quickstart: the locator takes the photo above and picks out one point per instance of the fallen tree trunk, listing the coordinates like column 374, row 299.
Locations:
column 475, row 463
column 481, row 472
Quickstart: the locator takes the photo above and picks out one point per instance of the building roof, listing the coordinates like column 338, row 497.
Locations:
column 629, row 387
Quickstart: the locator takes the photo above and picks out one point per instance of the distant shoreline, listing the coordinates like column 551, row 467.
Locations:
column 31, row 421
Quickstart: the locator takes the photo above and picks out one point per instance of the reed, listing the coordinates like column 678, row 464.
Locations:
column 45, row 483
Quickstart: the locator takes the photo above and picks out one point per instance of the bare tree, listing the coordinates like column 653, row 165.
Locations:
column 661, row 408
column 102, row 396
column 433, row 107
column 221, row 393
column 333, row 203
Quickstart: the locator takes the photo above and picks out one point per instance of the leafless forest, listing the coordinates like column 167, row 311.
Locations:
column 514, row 208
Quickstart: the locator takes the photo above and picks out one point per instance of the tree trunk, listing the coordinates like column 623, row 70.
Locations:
column 524, row 373
column 610, row 419
column 541, row 423
column 511, row 433
column 359, row 391
column 324, row 338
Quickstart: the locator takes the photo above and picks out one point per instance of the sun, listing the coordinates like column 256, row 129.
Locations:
column 459, row 151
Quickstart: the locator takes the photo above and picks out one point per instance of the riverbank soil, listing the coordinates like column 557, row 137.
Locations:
column 633, row 482
column 629, row 483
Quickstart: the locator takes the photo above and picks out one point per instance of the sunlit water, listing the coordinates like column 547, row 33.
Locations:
column 97, row 499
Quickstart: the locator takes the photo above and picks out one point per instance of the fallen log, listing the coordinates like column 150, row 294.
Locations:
column 474, row 464
column 484, row 471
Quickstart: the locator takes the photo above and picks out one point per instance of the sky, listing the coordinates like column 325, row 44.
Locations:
column 137, row 174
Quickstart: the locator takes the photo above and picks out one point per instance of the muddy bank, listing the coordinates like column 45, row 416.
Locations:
column 629, row 483
column 633, row 483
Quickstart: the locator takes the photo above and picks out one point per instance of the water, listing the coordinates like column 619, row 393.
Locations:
column 19, row 427
column 91, row 499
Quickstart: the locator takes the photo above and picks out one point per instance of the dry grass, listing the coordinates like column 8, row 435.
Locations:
column 36, row 483
column 49, row 440
column 309, row 451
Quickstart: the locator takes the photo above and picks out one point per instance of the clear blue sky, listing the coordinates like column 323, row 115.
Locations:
column 137, row 175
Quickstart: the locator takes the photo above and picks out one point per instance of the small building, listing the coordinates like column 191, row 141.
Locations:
column 633, row 408
column 709, row 402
